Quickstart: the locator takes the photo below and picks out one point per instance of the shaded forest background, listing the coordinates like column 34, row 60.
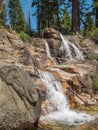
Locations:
column 66, row 16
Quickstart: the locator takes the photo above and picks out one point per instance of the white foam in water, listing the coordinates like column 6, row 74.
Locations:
column 66, row 47
column 48, row 52
column 79, row 54
column 47, row 49
column 63, row 113
column 67, row 44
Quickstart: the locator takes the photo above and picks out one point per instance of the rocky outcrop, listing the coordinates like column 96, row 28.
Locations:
column 19, row 99
column 51, row 33
column 87, row 46
column 77, row 81
column 88, row 126
column 22, row 91
column 53, row 39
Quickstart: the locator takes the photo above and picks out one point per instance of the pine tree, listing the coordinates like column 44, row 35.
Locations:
column 2, row 13
column 29, row 18
column 66, row 22
column 96, row 12
column 48, row 13
column 4, row 16
column 89, row 24
column 2, row 3
column 16, row 15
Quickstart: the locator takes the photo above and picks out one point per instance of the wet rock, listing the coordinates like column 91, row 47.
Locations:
column 73, row 39
column 47, row 107
column 93, row 125
column 53, row 39
column 54, row 45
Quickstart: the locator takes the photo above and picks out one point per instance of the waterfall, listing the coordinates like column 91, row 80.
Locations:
column 78, row 53
column 48, row 52
column 67, row 46
column 62, row 114
column 47, row 49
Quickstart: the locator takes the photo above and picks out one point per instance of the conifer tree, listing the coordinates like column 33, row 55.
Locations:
column 66, row 21
column 16, row 15
column 2, row 12
column 3, row 16
column 48, row 13
column 96, row 12
column 2, row 3
column 89, row 24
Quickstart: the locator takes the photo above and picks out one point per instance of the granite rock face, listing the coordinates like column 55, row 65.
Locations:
column 20, row 95
column 23, row 94
column 19, row 99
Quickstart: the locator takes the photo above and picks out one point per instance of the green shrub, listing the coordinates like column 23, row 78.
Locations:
column 94, row 35
column 23, row 36
column 95, row 82
column 93, row 57
column 0, row 26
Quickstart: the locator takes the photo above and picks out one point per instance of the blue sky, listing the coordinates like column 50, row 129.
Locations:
column 33, row 19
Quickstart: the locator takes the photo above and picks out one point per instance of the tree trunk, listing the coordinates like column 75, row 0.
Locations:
column 29, row 18
column 97, row 17
column 38, row 20
column 58, row 20
column 75, row 16
column 2, row 2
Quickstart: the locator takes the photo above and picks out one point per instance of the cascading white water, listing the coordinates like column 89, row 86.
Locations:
column 62, row 114
column 78, row 53
column 48, row 52
column 67, row 45
column 47, row 49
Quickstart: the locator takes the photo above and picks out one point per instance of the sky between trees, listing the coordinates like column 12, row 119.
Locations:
column 33, row 18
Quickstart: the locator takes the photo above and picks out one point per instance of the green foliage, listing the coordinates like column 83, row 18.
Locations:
column 66, row 20
column 3, row 17
column 94, row 35
column 17, row 19
column 48, row 13
column 0, row 25
column 89, row 24
column 93, row 57
column 95, row 4
column 23, row 36
column 95, row 82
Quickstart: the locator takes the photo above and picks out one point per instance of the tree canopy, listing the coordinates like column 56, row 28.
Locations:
column 16, row 15
column 73, row 15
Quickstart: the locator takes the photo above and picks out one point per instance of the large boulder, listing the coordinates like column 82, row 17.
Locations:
column 53, row 39
column 54, row 46
column 90, row 48
column 19, row 98
column 51, row 33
